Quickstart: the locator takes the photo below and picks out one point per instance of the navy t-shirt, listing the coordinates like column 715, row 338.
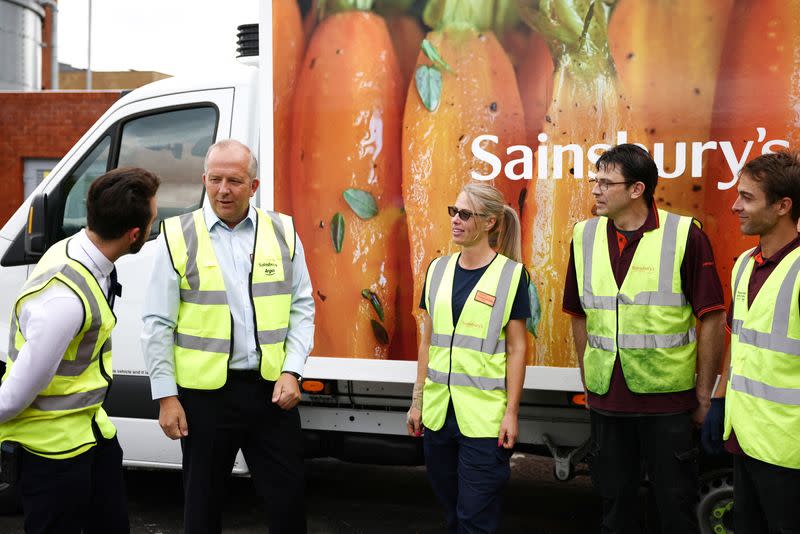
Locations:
column 465, row 280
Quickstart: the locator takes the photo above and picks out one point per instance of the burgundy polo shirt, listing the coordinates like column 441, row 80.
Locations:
column 761, row 270
column 703, row 291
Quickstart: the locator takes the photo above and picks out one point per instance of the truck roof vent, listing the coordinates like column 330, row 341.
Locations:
column 247, row 40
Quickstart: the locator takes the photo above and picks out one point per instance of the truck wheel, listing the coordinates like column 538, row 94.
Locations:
column 9, row 499
column 715, row 505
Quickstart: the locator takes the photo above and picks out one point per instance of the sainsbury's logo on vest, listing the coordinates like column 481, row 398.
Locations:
column 643, row 269
column 270, row 267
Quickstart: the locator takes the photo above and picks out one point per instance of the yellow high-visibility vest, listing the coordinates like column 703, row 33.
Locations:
column 58, row 423
column 762, row 401
column 648, row 320
column 467, row 363
column 203, row 335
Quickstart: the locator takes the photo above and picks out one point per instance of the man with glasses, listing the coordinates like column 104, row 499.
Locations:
column 638, row 278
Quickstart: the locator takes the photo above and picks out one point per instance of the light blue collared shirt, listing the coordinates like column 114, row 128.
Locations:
column 232, row 247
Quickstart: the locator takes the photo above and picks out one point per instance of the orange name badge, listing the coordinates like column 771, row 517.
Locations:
column 485, row 298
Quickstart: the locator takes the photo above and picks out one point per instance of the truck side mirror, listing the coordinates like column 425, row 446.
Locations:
column 36, row 238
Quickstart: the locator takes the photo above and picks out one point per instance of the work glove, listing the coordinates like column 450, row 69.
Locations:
column 711, row 433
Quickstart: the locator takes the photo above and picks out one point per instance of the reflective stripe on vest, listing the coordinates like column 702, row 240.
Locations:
column 763, row 402
column 777, row 338
column 58, row 423
column 460, row 379
column 467, row 362
column 610, row 317
column 203, row 334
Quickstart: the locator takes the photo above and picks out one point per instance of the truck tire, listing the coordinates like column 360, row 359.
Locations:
column 715, row 504
column 9, row 499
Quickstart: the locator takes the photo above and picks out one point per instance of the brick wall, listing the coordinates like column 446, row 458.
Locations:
column 41, row 125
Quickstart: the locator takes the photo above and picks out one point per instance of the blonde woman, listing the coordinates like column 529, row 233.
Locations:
column 472, row 360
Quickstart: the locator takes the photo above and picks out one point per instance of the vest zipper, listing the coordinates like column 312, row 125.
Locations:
column 450, row 361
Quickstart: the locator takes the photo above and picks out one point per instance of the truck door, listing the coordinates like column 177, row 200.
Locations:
column 168, row 135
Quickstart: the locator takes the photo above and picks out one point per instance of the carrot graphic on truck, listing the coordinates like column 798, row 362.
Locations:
column 755, row 110
column 288, row 46
column 345, row 171
column 587, row 108
column 675, row 110
column 464, row 87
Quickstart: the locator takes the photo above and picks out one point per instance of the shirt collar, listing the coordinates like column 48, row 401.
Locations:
column 778, row 256
column 98, row 263
column 652, row 221
column 211, row 218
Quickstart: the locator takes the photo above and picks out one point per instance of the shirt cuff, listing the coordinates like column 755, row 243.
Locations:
column 163, row 387
column 573, row 313
column 294, row 363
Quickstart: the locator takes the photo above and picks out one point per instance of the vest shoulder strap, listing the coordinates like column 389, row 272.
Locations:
column 284, row 228
column 174, row 230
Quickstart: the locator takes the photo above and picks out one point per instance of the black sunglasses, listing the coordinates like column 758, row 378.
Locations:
column 464, row 215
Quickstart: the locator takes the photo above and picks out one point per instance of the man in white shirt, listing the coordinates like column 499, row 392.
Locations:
column 59, row 366
column 228, row 325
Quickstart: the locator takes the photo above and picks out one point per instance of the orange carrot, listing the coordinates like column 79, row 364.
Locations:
column 345, row 168
column 287, row 53
column 587, row 108
column 404, row 343
column 478, row 96
column 757, row 88
column 670, row 76
column 532, row 62
column 406, row 32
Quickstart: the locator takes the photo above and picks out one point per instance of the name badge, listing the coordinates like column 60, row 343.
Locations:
column 485, row 298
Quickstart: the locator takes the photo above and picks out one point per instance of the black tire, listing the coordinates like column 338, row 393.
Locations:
column 715, row 502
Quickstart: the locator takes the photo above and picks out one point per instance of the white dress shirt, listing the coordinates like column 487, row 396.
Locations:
column 49, row 320
column 232, row 247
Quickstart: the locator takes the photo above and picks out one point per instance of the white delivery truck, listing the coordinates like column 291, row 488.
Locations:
column 354, row 404
column 358, row 410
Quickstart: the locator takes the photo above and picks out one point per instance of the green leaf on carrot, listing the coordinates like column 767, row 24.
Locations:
column 429, row 86
column 337, row 231
column 380, row 332
column 361, row 202
column 431, row 53
column 374, row 300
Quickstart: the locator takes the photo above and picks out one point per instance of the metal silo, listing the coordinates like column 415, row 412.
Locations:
column 20, row 45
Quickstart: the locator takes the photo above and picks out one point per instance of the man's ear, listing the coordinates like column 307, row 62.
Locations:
column 784, row 206
column 133, row 234
column 637, row 190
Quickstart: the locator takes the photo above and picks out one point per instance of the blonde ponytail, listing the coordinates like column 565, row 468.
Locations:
column 509, row 241
column 504, row 236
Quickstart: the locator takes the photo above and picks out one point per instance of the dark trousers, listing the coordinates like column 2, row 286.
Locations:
column 766, row 497
column 467, row 475
column 665, row 443
column 81, row 494
column 241, row 415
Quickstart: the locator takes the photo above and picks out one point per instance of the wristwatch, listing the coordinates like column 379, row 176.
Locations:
column 296, row 375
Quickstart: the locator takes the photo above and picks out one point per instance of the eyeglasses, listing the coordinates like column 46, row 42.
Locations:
column 604, row 184
column 464, row 215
